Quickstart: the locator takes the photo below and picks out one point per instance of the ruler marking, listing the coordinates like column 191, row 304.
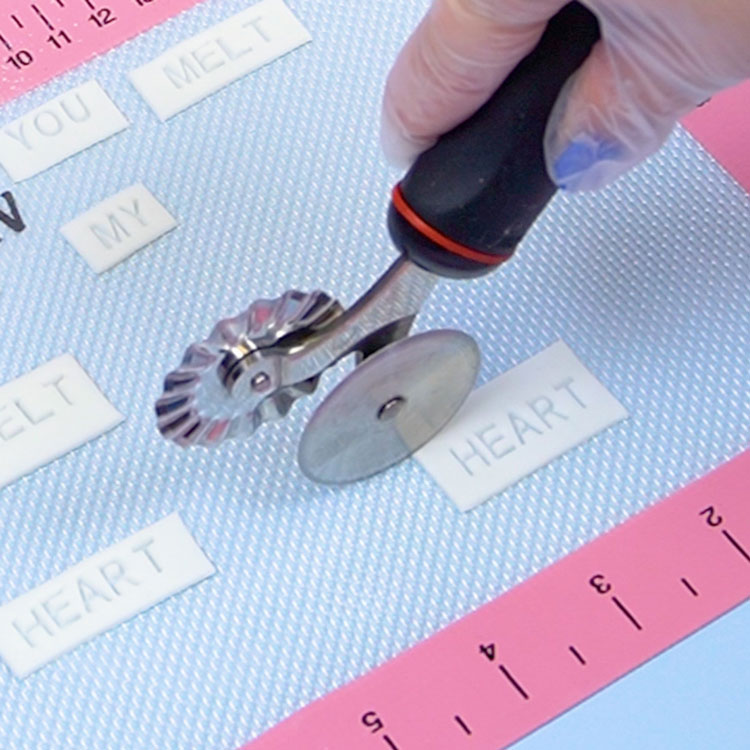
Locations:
column 736, row 545
column 644, row 547
column 689, row 587
column 627, row 613
column 513, row 681
column 62, row 34
column 575, row 652
column 44, row 18
column 390, row 742
column 462, row 724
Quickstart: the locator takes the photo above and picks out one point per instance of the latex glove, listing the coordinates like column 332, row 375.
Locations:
column 657, row 60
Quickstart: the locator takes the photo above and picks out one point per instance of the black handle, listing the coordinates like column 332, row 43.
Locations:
column 467, row 202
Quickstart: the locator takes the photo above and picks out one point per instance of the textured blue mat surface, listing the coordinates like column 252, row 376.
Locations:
column 278, row 182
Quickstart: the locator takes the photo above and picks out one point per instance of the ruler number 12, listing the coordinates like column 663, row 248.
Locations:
column 102, row 17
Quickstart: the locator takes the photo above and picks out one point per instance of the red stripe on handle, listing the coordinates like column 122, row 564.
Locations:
column 445, row 242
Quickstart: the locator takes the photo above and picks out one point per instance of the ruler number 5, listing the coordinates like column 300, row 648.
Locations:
column 372, row 722
column 712, row 517
column 102, row 17
column 375, row 724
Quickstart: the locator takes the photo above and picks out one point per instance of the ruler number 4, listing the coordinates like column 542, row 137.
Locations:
column 488, row 651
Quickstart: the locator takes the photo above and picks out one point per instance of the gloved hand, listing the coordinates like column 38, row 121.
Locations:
column 657, row 60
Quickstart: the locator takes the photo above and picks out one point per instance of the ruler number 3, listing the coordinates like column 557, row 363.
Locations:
column 601, row 586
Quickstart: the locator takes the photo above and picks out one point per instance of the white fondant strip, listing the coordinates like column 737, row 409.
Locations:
column 100, row 593
column 211, row 60
column 47, row 413
column 117, row 227
column 517, row 423
column 64, row 126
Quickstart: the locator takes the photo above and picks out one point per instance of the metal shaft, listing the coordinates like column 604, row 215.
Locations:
column 385, row 311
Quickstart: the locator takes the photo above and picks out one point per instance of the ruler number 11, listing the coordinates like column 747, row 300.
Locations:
column 59, row 40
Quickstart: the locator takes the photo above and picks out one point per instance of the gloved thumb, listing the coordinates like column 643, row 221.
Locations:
column 624, row 101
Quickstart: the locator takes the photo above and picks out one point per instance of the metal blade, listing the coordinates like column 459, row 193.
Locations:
column 389, row 407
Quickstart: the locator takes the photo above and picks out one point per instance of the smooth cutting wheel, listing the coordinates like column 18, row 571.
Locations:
column 389, row 407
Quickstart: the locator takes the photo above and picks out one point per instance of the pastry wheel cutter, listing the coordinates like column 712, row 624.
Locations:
column 459, row 212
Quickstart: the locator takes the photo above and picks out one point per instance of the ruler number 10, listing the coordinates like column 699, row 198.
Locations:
column 21, row 59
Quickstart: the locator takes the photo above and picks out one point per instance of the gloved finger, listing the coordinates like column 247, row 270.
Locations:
column 451, row 65
column 639, row 80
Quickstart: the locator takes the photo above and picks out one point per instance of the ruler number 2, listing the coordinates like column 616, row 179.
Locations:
column 102, row 17
column 712, row 517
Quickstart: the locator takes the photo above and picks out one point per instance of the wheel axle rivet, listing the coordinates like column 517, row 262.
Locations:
column 391, row 409
column 261, row 382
